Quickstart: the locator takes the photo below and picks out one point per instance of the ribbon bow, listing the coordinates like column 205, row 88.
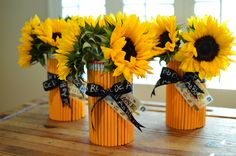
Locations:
column 115, row 92
column 54, row 82
column 169, row 76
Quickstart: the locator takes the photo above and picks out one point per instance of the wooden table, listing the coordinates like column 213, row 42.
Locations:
column 28, row 131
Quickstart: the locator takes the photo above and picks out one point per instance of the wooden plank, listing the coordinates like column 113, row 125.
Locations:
column 6, row 154
column 33, row 143
column 41, row 145
column 22, row 108
column 11, row 148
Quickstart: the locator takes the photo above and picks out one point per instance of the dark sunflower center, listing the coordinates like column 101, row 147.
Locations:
column 129, row 49
column 54, row 35
column 207, row 48
column 164, row 38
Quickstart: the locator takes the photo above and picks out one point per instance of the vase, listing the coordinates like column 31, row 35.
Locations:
column 110, row 129
column 179, row 114
column 57, row 111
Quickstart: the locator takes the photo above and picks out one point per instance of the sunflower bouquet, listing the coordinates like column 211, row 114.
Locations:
column 112, row 48
column 204, row 49
column 122, row 46
column 166, row 41
column 39, row 42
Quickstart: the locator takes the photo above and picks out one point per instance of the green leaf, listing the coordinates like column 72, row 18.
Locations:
column 102, row 38
column 76, row 46
column 51, row 50
column 92, row 40
column 179, row 26
column 78, row 52
column 108, row 31
column 67, row 18
column 84, row 34
column 86, row 45
column 42, row 61
column 38, row 46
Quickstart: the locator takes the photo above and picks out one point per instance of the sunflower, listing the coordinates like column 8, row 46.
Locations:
column 76, row 18
column 91, row 21
column 66, row 47
column 113, row 20
column 207, row 47
column 50, row 31
column 27, row 40
column 192, row 22
column 166, row 35
column 129, row 48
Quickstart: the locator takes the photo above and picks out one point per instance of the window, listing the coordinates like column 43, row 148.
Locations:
column 83, row 7
column 146, row 9
column 202, row 7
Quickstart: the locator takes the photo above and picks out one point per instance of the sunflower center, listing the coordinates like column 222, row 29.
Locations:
column 164, row 38
column 54, row 35
column 129, row 49
column 207, row 48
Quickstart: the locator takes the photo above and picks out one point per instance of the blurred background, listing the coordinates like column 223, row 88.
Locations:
column 19, row 86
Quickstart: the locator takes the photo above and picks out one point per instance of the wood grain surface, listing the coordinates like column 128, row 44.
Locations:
column 28, row 131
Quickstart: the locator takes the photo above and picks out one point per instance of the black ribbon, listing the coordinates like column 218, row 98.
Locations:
column 115, row 92
column 169, row 76
column 54, row 82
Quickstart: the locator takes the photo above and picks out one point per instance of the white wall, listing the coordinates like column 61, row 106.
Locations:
column 18, row 85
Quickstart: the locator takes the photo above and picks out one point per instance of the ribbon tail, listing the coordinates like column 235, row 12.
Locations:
column 93, row 107
column 167, row 76
column 156, row 85
column 139, row 125
column 64, row 93
column 93, row 125
column 126, row 110
column 136, row 123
